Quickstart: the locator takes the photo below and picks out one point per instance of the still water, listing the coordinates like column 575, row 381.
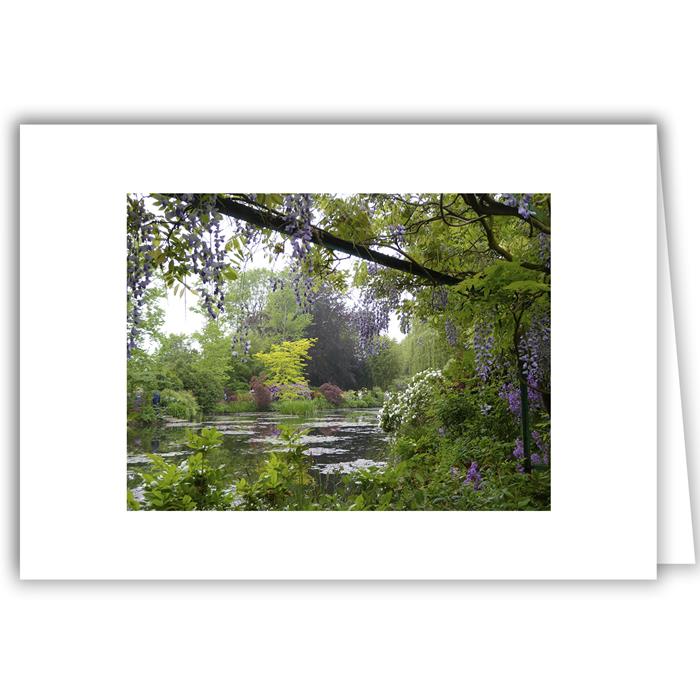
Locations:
column 339, row 442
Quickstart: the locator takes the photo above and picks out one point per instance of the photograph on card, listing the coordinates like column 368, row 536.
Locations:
column 333, row 352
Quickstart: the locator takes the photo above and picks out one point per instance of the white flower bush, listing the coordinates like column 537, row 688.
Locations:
column 410, row 405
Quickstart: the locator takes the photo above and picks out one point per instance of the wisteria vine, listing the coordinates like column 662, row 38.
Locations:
column 140, row 232
column 298, row 214
column 484, row 349
column 372, row 315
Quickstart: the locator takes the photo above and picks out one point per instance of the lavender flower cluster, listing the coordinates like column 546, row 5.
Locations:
column 534, row 351
column 511, row 393
column 473, row 476
column 372, row 317
column 404, row 321
column 484, row 355
column 297, row 216
column 438, row 298
column 450, row 332
column 522, row 203
column 199, row 223
column 141, row 229
column 536, row 458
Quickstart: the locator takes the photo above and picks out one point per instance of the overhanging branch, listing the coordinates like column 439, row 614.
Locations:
column 275, row 222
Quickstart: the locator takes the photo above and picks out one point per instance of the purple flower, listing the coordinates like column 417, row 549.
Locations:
column 511, row 394
column 484, row 358
column 473, row 476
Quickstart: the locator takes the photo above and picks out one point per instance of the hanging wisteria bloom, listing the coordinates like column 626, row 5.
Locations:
column 297, row 216
column 141, row 229
column 484, row 357
column 450, row 332
column 438, row 298
column 195, row 220
column 372, row 316
column 534, row 355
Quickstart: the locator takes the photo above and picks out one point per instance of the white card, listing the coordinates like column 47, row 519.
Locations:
column 676, row 544
column 604, row 493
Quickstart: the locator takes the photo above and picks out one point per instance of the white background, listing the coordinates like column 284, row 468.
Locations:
column 603, row 518
column 553, row 61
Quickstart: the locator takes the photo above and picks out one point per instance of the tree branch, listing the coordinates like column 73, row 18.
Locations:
column 476, row 205
column 275, row 222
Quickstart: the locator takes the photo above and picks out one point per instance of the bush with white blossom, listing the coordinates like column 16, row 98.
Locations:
column 410, row 405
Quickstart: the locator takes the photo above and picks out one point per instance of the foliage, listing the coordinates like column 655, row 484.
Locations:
column 285, row 362
column 179, row 404
column 412, row 404
column 195, row 484
column 334, row 358
column 331, row 393
column 204, row 384
column 148, row 415
column 262, row 396
column 385, row 364
column 283, row 482
column 467, row 275
column 364, row 398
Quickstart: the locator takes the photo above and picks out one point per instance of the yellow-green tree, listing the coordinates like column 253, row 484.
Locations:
column 285, row 362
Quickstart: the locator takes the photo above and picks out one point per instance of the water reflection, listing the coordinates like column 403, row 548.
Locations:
column 339, row 442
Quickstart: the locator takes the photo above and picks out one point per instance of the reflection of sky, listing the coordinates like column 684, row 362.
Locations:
column 179, row 317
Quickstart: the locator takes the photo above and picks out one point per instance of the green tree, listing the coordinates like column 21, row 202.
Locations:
column 282, row 319
column 286, row 361
column 215, row 355
column 385, row 366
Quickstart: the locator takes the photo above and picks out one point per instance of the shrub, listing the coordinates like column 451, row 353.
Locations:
column 179, row 404
column 193, row 485
column 290, row 392
column 283, row 482
column 411, row 405
column 148, row 414
column 205, row 385
column 261, row 394
column 331, row 393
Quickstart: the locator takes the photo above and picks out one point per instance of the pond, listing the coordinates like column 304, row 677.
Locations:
column 339, row 442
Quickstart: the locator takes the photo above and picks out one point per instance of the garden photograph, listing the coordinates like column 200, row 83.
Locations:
column 333, row 352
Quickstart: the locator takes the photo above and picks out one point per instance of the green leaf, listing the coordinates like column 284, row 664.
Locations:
column 527, row 286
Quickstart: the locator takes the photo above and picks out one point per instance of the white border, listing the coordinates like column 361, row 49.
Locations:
column 73, row 185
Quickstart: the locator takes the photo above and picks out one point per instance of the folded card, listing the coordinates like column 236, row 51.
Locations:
column 389, row 369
